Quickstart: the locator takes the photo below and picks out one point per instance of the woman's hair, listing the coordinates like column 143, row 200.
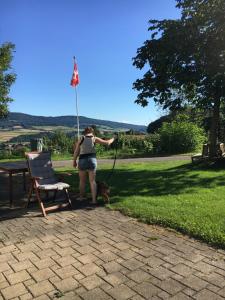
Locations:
column 88, row 130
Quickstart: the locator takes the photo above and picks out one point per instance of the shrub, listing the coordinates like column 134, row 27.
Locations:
column 155, row 140
column 4, row 154
column 129, row 141
column 100, row 149
column 14, row 153
column 59, row 142
column 147, row 146
column 20, row 152
column 180, row 137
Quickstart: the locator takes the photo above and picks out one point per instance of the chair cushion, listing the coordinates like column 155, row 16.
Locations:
column 53, row 186
column 40, row 165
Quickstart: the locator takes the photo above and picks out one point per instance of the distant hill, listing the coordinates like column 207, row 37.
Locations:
column 28, row 121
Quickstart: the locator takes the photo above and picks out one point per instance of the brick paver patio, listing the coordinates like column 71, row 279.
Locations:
column 94, row 253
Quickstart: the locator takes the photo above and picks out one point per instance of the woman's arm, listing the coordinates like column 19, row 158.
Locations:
column 104, row 142
column 76, row 154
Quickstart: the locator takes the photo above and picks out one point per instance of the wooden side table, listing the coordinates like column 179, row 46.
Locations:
column 14, row 168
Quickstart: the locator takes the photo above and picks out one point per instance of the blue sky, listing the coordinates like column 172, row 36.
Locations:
column 103, row 35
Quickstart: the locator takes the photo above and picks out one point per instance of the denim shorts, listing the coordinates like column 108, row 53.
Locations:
column 87, row 163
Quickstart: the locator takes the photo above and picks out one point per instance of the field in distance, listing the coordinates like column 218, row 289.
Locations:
column 7, row 135
column 25, row 134
column 20, row 127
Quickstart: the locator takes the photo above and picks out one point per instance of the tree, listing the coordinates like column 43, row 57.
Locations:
column 96, row 130
column 195, row 116
column 155, row 125
column 6, row 78
column 187, row 61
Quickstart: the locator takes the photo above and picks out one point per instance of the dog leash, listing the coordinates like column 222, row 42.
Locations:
column 115, row 157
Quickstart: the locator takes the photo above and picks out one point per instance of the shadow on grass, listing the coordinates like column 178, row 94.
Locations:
column 185, row 178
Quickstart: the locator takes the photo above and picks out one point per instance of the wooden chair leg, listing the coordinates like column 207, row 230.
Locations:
column 54, row 196
column 29, row 195
column 40, row 202
column 68, row 197
column 38, row 196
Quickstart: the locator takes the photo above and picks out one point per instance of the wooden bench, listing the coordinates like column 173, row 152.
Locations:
column 201, row 156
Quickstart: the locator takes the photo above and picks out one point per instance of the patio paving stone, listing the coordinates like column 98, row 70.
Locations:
column 96, row 253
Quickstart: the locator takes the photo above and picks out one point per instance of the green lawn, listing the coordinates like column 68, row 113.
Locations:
column 190, row 199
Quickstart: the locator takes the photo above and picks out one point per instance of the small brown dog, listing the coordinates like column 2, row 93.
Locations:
column 103, row 190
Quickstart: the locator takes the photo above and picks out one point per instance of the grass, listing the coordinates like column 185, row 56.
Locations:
column 176, row 194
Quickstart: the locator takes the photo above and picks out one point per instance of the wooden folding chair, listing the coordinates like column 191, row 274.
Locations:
column 43, row 180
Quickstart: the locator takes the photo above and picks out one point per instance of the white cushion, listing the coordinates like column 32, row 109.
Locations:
column 54, row 186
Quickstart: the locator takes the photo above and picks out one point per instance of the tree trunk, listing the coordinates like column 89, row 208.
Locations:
column 213, row 134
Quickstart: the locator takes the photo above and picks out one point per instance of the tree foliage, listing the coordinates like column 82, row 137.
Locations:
column 195, row 116
column 59, row 142
column 186, row 59
column 155, row 125
column 6, row 78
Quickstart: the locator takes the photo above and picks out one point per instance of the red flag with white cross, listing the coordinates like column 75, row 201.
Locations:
column 75, row 77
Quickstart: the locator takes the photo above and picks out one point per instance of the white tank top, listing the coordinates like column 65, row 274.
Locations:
column 87, row 144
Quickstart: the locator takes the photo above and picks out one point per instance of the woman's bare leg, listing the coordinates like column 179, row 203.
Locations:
column 82, row 176
column 91, row 175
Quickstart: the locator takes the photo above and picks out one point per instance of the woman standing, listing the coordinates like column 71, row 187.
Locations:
column 85, row 149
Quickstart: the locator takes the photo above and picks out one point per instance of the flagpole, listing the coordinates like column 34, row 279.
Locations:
column 78, row 124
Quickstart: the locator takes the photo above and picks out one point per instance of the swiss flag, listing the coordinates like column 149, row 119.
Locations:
column 75, row 78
